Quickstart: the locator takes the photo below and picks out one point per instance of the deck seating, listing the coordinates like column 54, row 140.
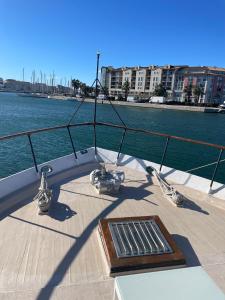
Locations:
column 185, row 283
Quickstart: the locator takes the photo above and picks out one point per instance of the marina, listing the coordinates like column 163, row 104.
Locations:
column 112, row 150
column 22, row 114
column 66, row 248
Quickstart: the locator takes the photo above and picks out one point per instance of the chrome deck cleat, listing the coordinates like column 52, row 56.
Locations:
column 169, row 192
column 44, row 195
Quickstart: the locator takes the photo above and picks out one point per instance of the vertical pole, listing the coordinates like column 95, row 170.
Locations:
column 95, row 108
column 164, row 153
column 71, row 140
column 216, row 167
column 32, row 151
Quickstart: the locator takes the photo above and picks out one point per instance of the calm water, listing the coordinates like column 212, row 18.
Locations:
column 23, row 113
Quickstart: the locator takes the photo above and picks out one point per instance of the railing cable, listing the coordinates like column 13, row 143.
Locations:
column 204, row 166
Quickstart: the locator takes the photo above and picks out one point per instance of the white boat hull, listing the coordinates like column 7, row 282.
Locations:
column 27, row 177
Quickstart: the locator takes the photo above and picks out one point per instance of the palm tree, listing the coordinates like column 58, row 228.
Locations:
column 188, row 92
column 75, row 84
column 126, row 88
column 82, row 87
column 86, row 89
column 198, row 92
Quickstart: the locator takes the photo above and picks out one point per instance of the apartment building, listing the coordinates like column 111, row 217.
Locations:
column 211, row 80
column 175, row 79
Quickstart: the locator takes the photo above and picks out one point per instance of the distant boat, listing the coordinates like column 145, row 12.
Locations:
column 222, row 108
column 34, row 95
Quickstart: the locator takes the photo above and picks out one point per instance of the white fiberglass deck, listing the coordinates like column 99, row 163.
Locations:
column 59, row 256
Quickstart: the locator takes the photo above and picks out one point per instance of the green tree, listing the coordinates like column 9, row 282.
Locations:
column 83, row 88
column 198, row 92
column 105, row 91
column 126, row 88
column 160, row 91
column 188, row 92
column 75, row 84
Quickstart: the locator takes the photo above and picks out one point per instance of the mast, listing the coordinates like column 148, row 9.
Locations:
column 95, row 109
column 45, row 85
column 33, row 80
column 41, row 82
column 53, row 81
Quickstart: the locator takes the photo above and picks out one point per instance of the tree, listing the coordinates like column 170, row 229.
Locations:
column 75, row 84
column 105, row 91
column 160, row 91
column 198, row 92
column 126, row 88
column 188, row 92
column 86, row 90
column 83, row 88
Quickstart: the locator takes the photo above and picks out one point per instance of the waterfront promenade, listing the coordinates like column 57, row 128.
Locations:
column 147, row 105
column 158, row 106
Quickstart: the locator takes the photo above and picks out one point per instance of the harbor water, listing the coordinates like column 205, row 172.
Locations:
column 24, row 113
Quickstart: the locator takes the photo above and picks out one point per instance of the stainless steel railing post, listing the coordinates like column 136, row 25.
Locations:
column 216, row 167
column 164, row 153
column 32, row 151
column 71, row 140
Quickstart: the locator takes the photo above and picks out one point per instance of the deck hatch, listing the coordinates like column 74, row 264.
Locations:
column 138, row 238
column 132, row 244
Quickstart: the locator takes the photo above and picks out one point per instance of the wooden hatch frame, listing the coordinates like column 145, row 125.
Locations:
column 137, row 263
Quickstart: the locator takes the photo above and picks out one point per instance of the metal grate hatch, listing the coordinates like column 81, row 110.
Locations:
column 138, row 238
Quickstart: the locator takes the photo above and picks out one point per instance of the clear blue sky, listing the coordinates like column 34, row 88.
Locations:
column 64, row 35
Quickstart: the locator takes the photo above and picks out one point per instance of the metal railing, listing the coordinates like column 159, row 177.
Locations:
column 125, row 129
column 31, row 132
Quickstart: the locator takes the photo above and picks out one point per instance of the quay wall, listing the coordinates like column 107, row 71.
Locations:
column 159, row 106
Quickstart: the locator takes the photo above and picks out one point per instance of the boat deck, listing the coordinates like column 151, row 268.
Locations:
column 58, row 256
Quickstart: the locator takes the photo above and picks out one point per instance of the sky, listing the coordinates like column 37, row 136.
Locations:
column 64, row 35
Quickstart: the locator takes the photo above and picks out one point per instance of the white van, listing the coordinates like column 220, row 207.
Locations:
column 157, row 99
column 102, row 97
